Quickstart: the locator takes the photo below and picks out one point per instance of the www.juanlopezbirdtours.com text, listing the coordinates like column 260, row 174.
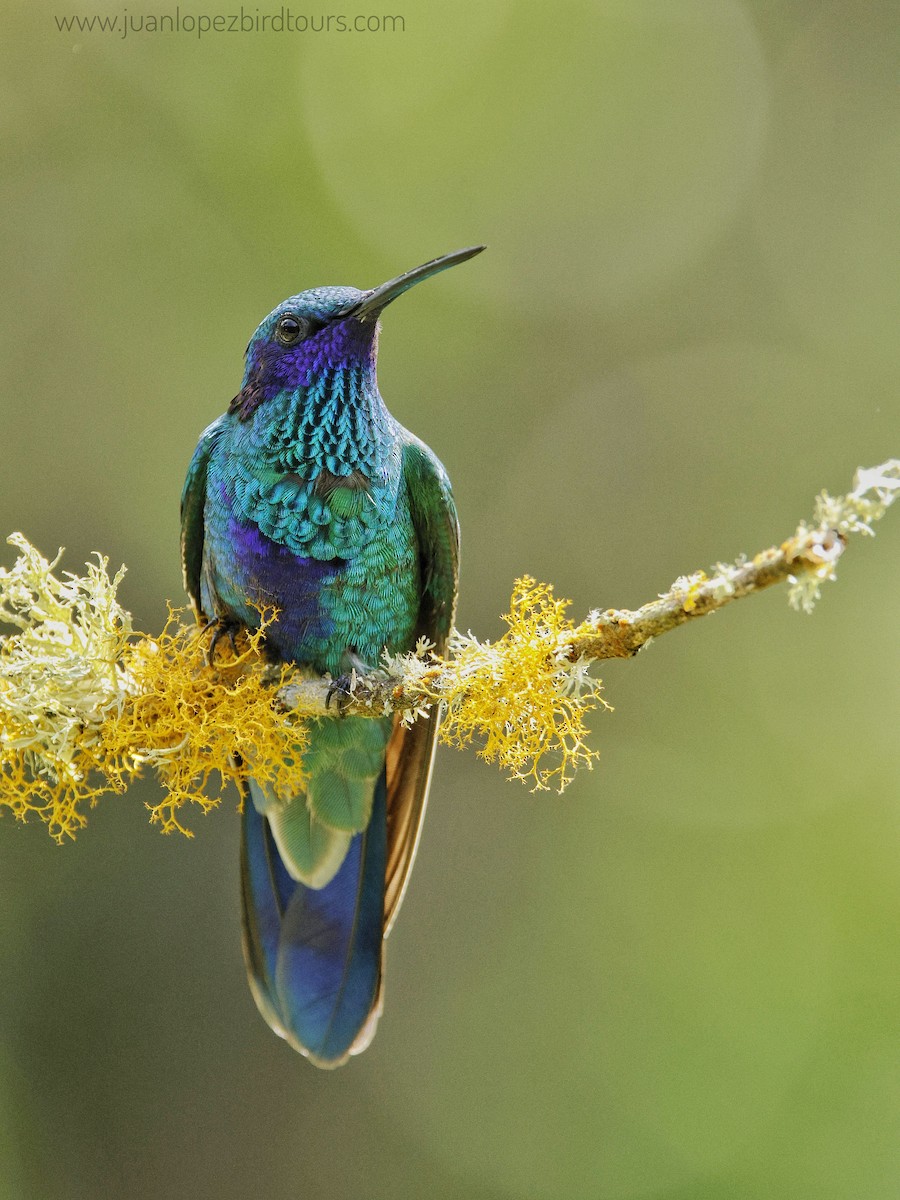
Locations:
column 125, row 23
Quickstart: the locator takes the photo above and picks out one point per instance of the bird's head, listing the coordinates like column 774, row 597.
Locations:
column 323, row 333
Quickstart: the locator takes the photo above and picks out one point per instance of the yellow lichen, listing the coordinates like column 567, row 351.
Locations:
column 691, row 587
column 86, row 704
column 521, row 696
column 196, row 725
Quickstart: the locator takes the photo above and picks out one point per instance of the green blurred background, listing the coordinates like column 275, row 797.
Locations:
column 680, row 981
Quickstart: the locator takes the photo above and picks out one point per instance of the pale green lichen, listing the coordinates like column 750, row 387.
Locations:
column 874, row 490
column 61, row 682
column 86, row 703
column 62, row 672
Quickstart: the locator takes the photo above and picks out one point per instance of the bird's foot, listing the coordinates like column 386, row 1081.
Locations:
column 221, row 627
column 341, row 687
column 344, row 686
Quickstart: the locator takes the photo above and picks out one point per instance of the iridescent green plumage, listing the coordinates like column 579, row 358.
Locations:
column 307, row 496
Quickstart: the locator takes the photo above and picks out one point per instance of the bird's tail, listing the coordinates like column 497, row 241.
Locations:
column 314, row 955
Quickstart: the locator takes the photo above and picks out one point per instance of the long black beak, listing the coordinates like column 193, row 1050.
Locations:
column 373, row 302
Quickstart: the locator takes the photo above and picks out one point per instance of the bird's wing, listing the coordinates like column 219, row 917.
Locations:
column 193, row 500
column 410, row 751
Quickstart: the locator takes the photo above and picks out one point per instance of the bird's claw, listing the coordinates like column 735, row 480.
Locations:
column 221, row 627
column 342, row 687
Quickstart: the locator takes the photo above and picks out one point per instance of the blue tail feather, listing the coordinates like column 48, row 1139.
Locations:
column 264, row 898
column 315, row 954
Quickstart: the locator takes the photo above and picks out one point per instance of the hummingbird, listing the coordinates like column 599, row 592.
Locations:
column 309, row 498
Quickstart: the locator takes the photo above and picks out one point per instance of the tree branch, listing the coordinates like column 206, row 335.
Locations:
column 804, row 561
column 619, row 633
column 86, row 704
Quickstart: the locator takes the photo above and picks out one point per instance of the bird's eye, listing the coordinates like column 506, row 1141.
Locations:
column 289, row 330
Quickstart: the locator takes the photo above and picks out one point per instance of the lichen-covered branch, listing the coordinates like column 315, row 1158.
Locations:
column 804, row 561
column 86, row 704
column 614, row 633
column 619, row 633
